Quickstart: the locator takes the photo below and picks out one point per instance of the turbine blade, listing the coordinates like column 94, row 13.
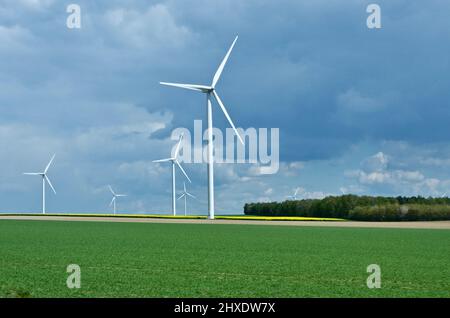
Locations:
column 110, row 189
column 48, row 165
column 182, row 170
column 184, row 186
column 191, row 195
column 49, row 183
column 227, row 116
column 32, row 173
column 121, row 195
column 163, row 160
column 185, row 86
column 180, row 196
column 222, row 65
column 178, row 146
column 114, row 198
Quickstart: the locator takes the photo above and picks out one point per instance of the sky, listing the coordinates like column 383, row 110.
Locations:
column 359, row 110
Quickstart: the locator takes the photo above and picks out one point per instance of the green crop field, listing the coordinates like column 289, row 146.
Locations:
column 198, row 260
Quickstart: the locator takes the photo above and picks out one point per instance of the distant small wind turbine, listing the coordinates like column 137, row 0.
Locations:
column 184, row 195
column 113, row 201
column 210, row 90
column 44, row 179
column 294, row 196
column 175, row 161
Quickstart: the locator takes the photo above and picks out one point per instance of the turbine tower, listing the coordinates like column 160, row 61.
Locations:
column 184, row 195
column 113, row 201
column 175, row 161
column 44, row 179
column 211, row 90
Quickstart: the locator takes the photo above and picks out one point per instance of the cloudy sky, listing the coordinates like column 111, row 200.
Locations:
column 359, row 110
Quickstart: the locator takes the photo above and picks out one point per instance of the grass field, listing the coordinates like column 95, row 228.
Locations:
column 202, row 260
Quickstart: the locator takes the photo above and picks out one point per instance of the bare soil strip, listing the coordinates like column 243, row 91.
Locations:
column 357, row 224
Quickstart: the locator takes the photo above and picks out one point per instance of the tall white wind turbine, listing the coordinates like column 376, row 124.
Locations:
column 44, row 179
column 184, row 195
column 174, row 161
column 115, row 196
column 211, row 90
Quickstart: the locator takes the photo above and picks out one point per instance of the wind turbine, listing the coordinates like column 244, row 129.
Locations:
column 184, row 195
column 44, row 179
column 294, row 196
column 175, row 161
column 113, row 201
column 211, row 90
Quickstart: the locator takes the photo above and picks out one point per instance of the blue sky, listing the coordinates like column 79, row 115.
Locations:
column 359, row 110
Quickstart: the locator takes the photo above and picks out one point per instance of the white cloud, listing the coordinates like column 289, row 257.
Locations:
column 125, row 128
column 376, row 173
column 432, row 184
column 354, row 101
column 439, row 162
column 230, row 173
column 291, row 169
column 374, row 177
column 351, row 189
column 377, row 162
column 388, row 177
column 33, row 4
column 408, row 176
column 124, row 133
column 155, row 26
column 315, row 195
column 286, row 169
column 14, row 38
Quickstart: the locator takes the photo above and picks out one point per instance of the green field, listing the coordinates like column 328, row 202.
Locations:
column 210, row 260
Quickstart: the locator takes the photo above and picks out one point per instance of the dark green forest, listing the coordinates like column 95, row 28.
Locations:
column 354, row 207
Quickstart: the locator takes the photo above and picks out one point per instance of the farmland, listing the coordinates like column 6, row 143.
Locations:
column 219, row 260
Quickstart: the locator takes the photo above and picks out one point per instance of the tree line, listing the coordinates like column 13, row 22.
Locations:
column 368, row 208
